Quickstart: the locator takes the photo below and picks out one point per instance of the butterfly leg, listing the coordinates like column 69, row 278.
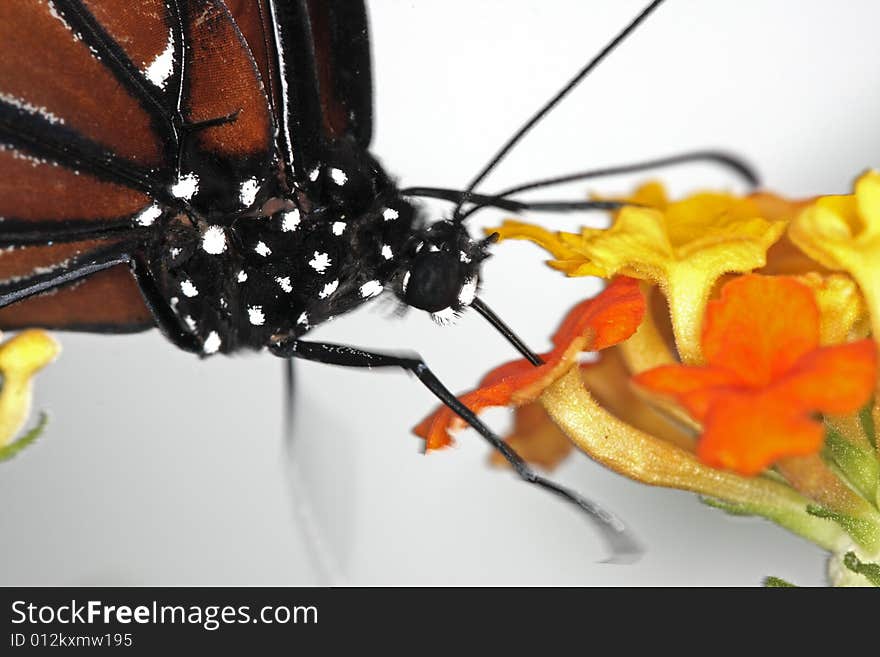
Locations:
column 166, row 322
column 623, row 544
column 16, row 289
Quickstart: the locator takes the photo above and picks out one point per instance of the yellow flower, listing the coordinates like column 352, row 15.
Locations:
column 684, row 247
column 843, row 233
column 20, row 359
column 750, row 376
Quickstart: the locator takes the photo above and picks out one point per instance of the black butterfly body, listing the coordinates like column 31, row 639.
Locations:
column 246, row 279
column 234, row 167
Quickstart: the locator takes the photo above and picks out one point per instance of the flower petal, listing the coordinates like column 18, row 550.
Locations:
column 594, row 324
column 684, row 247
column 766, row 375
column 20, row 358
column 748, row 431
column 842, row 310
column 843, row 233
column 835, row 380
column 760, row 327
column 549, row 240
column 695, row 388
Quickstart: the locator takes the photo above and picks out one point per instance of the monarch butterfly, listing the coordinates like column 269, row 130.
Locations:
column 221, row 121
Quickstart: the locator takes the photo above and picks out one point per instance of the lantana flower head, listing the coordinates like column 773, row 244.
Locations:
column 749, row 374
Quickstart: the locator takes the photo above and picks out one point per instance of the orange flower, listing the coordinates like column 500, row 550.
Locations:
column 766, row 375
column 594, row 324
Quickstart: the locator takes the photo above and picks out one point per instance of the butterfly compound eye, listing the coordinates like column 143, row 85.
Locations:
column 442, row 274
column 434, row 281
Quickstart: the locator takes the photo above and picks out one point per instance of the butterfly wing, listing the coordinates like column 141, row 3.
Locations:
column 342, row 47
column 314, row 56
column 103, row 107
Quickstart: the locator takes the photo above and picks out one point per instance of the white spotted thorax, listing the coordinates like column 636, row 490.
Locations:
column 339, row 176
column 280, row 261
column 214, row 240
column 248, row 192
column 290, row 220
column 276, row 267
column 185, row 187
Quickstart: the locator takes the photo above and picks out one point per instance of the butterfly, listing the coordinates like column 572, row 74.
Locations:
column 204, row 167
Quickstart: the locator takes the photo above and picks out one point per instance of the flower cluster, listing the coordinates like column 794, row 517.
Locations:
column 737, row 342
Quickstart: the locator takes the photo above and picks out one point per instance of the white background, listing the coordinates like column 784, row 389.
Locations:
column 161, row 469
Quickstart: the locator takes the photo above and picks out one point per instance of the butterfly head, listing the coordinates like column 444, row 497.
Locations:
column 440, row 271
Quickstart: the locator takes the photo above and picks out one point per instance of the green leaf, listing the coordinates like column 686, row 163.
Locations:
column 870, row 571
column 778, row 583
column 865, row 532
column 858, row 465
column 10, row 450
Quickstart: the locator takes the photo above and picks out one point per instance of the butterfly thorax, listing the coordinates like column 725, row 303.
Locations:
column 287, row 261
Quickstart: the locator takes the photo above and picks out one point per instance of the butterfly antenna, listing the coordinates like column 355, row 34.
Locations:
column 727, row 160
column 553, row 102
column 478, row 305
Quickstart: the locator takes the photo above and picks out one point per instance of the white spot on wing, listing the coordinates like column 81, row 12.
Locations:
column 314, row 173
column 162, row 66
column 303, row 319
column 247, row 193
column 290, row 220
column 390, row 214
column 32, row 109
column 406, row 280
column 339, row 227
column 148, row 215
column 338, row 176
column 371, row 289
column 256, row 316
column 214, row 240
column 387, row 253
column 262, row 249
column 188, row 288
column 329, row 289
column 242, row 276
column 54, row 13
column 464, row 257
column 212, row 343
column 186, row 186
column 284, row 282
column 320, row 262
column 191, row 323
